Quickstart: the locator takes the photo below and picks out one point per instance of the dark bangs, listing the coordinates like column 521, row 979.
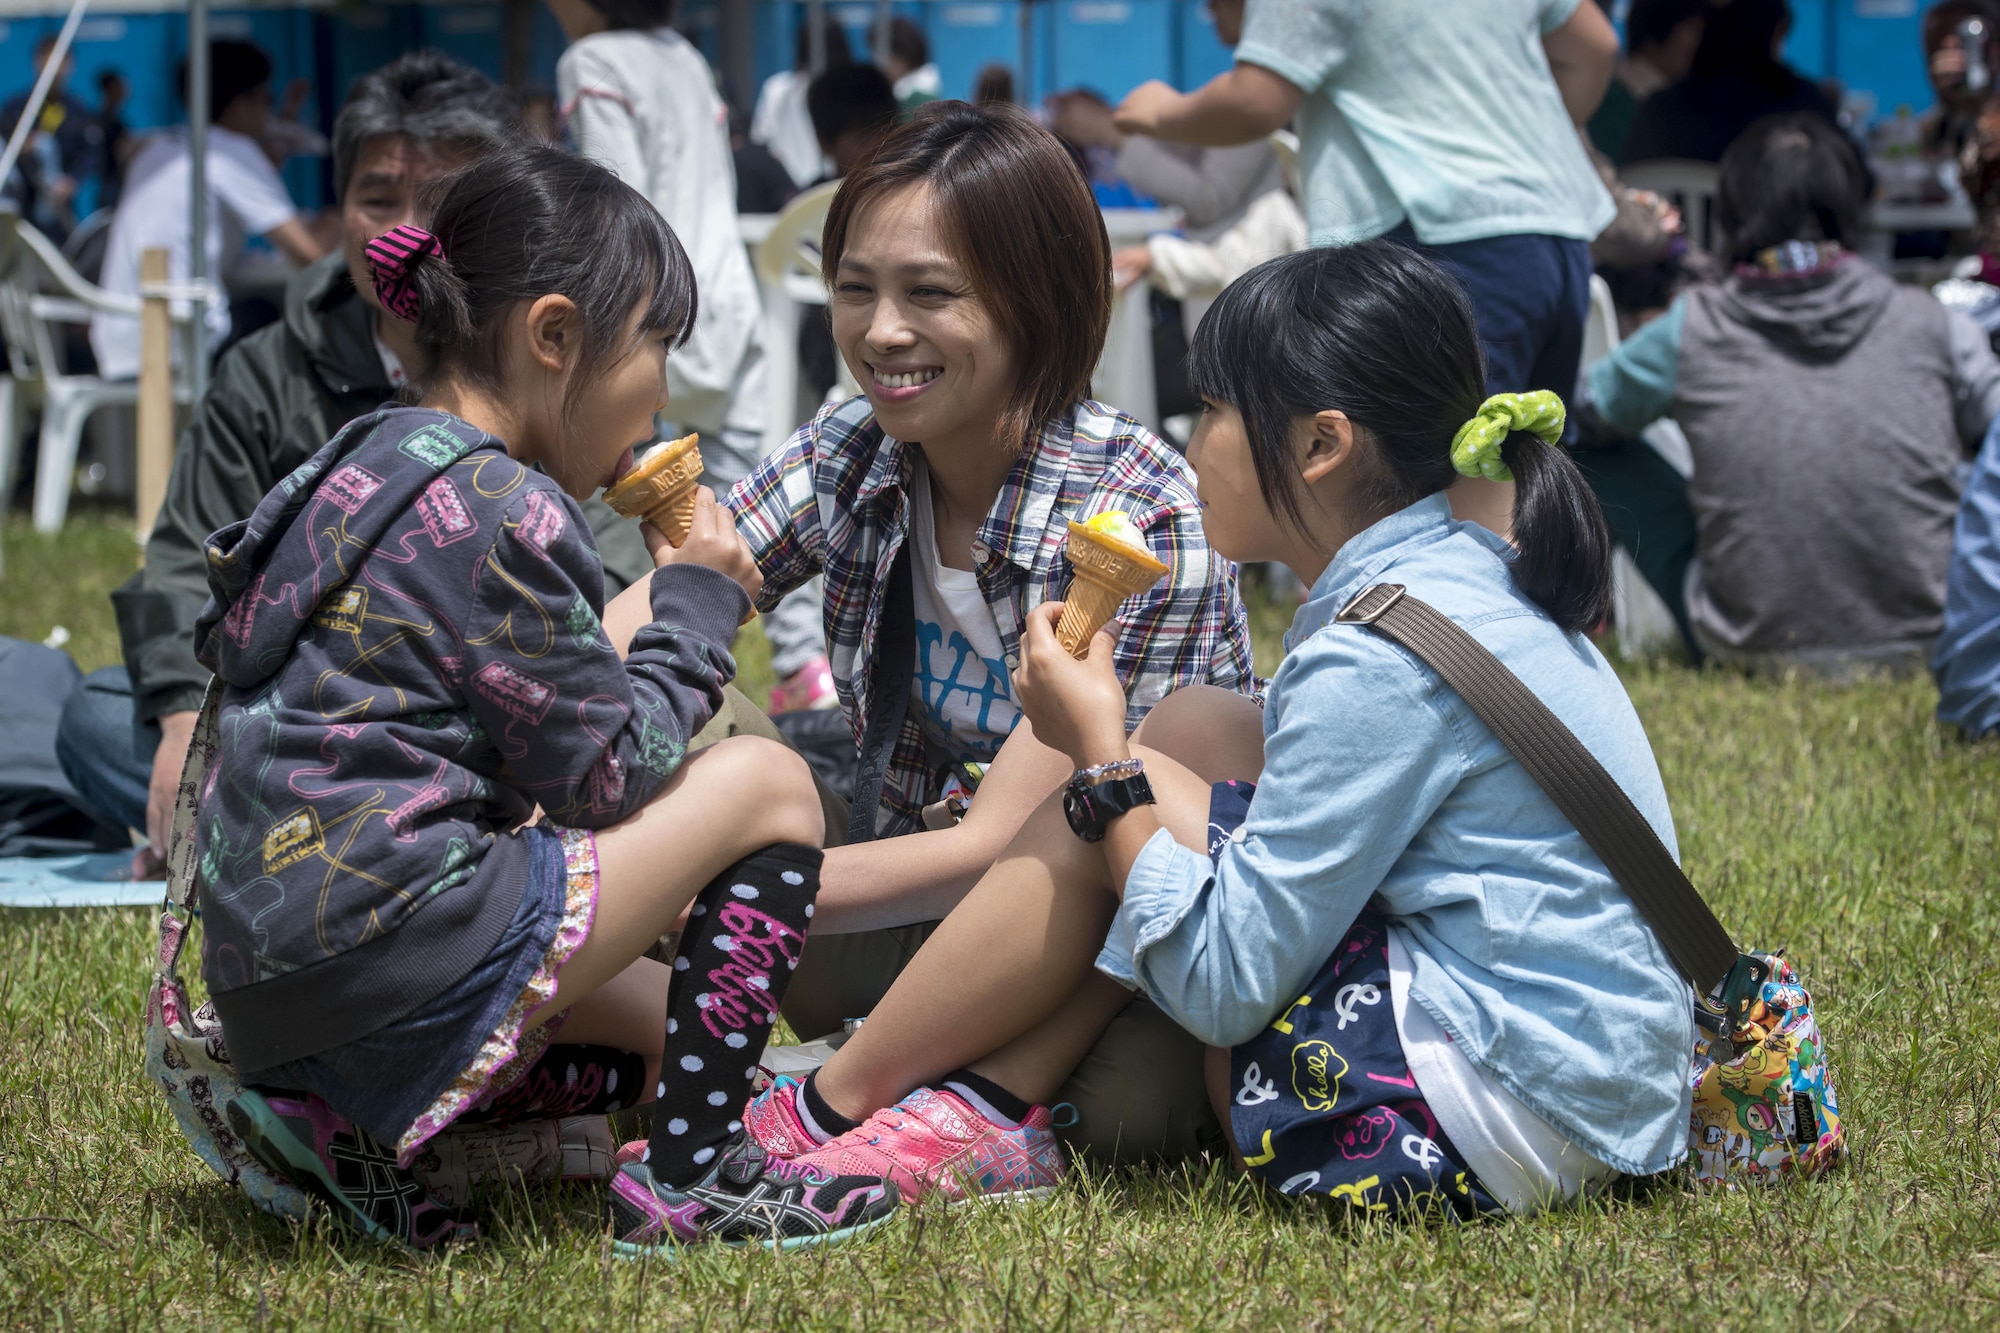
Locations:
column 1386, row 336
column 1372, row 330
column 642, row 254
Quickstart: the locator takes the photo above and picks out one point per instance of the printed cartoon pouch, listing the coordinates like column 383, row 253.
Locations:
column 185, row 1053
column 1764, row 1102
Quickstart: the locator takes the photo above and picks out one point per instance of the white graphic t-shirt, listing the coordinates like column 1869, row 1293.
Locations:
column 963, row 687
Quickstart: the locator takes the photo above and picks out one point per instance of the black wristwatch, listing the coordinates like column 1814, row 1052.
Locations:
column 1096, row 796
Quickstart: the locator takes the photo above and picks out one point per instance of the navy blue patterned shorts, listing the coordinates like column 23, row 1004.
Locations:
column 1323, row 1101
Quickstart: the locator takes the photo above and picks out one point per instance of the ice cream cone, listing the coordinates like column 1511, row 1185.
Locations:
column 1107, row 572
column 661, row 488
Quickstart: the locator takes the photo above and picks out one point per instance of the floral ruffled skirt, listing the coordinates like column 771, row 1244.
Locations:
column 406, row 1082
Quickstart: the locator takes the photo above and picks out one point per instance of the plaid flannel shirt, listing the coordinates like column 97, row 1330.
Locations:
column 834, row 501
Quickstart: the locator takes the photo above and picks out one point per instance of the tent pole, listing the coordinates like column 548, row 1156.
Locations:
column 32, row 113
column 198, row 275
column 1021, row 94
column 816, row 37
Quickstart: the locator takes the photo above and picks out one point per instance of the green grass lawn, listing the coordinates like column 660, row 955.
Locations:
column 1840, row 823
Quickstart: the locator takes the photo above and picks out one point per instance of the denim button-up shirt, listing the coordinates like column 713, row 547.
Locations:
column 1379, row 782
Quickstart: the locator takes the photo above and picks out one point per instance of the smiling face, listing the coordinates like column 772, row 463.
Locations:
column 921, row 343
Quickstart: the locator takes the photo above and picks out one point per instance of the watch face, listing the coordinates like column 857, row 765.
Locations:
column 1082, row 816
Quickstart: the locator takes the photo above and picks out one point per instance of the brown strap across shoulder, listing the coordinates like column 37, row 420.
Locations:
column 1588, row 796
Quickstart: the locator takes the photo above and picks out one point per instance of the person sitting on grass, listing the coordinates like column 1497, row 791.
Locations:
column 1420, row 986
column 969, row 285
column 408, row 634
column 1967, row 661
column 1829, row 411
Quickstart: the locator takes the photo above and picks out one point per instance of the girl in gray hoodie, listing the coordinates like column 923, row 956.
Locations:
column 447, row 814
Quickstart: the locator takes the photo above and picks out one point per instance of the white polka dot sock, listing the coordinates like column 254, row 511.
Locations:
column 736, row 956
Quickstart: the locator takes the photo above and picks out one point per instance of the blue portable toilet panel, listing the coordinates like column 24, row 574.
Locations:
column 1871, row 47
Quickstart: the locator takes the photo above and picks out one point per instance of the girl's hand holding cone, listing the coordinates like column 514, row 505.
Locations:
column 1076, row 706
column 712, row 540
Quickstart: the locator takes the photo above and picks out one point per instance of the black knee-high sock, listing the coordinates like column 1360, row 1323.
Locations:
column 743, row 938
column 567, row 1080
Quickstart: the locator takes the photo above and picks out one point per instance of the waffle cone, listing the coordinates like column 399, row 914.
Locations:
column 661, row 488
column 1107, row 572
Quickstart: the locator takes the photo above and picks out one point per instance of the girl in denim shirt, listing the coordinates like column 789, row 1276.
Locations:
column 1422, row 989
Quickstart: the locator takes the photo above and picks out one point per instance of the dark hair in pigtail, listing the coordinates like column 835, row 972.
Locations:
column 1385, row 335
column 1563, row 560
column 445, row 303
column 524, row 223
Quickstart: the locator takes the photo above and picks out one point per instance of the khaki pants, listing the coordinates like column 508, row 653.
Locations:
column 1139, row 1094
column 740, row 717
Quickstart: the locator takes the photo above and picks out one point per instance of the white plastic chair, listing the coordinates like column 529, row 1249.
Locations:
column 1642, row 621
column 1688, row 185
column 39, row 290
column 788, row 273
column 1286, row 145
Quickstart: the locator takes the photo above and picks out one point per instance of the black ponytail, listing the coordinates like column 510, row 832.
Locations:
column 1563, row 560
column 446, row 305
column 1385, row 335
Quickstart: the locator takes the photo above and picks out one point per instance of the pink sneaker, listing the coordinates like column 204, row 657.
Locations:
column 933, row 1142
column 811, row 686
column 772, row 1117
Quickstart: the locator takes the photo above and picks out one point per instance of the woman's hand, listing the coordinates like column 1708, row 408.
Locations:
column 1145, row 107
column 712, row 541
column 1076, row 707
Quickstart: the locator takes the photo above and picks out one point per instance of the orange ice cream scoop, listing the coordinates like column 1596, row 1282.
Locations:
column 1111, row 564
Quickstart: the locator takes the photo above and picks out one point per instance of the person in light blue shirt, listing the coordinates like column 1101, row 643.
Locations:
column 1966, row 661
column 1424, row 989
column 1446, row 124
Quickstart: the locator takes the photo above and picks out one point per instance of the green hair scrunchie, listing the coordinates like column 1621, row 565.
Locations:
column 1475, row 450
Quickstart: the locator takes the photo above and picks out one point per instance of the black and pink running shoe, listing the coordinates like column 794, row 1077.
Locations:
column 746, row 1198
column 335, row 1161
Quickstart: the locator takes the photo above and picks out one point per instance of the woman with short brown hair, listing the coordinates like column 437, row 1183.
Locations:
column 969, row 280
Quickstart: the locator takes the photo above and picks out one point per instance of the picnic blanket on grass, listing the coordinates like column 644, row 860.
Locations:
column 96, row 879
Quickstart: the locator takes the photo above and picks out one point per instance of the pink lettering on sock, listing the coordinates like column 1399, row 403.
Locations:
column 742, row 986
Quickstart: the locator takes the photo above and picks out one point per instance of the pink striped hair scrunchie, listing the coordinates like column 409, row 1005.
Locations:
column 392, row 259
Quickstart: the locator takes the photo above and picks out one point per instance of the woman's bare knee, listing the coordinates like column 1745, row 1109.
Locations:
column 781, row 804
column 1216, row 732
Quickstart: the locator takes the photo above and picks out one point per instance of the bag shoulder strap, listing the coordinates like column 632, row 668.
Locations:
column 182, row 864
column 1588, row 796
column 888, row 695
